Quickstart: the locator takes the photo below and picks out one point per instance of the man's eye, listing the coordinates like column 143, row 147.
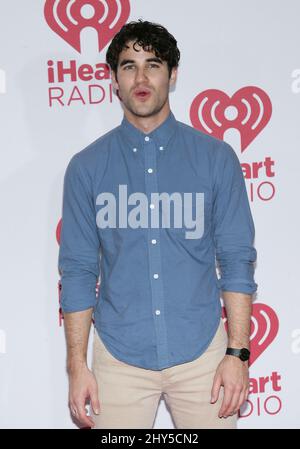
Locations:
column 153, row 65
column 128, row 67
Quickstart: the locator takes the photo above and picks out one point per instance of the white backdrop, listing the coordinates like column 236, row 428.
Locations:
column 226, row 46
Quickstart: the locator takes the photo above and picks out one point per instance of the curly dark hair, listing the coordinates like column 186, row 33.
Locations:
column 150, row 36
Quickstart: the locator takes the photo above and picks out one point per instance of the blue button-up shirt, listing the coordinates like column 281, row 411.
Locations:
column 159, row 296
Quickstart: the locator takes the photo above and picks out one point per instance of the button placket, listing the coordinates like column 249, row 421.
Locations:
column 136, row 150
column 154, row 255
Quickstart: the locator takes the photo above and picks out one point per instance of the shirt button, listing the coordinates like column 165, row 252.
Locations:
column 161, row 148
column 153, row 241
column 150, row 170
column 147, row 138
column 157, row 312
column 155, row 276
column 134, row 149
column 151, row 206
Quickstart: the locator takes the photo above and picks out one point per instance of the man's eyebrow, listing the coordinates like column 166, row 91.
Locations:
column 154, row 60
column 126, row 61
column 131, row 61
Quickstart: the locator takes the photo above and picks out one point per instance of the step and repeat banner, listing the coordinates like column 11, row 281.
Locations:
column 238, row 80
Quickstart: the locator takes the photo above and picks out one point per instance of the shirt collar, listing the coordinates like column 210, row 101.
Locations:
column 161, row 135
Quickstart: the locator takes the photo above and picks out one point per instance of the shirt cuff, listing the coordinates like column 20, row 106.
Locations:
column 238, row 285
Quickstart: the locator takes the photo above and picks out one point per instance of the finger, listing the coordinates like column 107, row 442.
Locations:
column 244, row 396
column 95, row 402
column 228, row 392
column 73, row 411
column 82, row 416
column 234, row 404
column 215, row 389
column 72, row 408
column 237, row 407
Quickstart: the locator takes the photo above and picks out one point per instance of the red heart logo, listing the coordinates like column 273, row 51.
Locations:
column 58, row 231
column 67, row 18
column 264, row 328
column 250, row 108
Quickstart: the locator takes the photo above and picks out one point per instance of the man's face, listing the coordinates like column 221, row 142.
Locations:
column 142, row 81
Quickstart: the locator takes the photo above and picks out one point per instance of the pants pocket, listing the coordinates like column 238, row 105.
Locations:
column 220, row 338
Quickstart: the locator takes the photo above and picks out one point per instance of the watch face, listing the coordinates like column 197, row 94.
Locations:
column 245, row 354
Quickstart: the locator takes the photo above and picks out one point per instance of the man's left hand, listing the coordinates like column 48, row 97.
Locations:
column 233, row 374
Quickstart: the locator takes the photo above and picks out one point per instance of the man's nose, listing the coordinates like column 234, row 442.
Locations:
column 141, row 75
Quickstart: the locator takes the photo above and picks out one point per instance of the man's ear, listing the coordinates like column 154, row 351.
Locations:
column 115, row 84
column 173, row 76
column 114, row 81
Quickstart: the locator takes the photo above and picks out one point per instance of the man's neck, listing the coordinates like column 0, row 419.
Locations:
column 148, row 124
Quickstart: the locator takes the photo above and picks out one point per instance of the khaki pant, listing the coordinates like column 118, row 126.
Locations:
column 129, row 395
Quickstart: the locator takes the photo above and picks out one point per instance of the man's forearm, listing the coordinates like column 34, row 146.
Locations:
column 238, row 309
column 77, row 329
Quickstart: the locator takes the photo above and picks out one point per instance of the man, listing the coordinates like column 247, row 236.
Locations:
column 158, row 326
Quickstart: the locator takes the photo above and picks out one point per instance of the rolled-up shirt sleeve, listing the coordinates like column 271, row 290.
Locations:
column 233, row 225
column 78, row 260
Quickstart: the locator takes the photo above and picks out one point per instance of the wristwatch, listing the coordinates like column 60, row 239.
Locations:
column 242, row 353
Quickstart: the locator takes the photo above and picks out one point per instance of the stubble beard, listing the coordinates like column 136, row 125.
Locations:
column 148, row 111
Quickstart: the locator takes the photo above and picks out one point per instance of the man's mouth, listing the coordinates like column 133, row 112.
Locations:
column 142, row 94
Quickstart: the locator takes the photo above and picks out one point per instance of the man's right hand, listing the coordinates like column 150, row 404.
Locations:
column 82, row 388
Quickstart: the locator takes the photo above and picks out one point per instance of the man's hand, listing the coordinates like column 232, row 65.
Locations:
column 233, row 374
column 82, row 387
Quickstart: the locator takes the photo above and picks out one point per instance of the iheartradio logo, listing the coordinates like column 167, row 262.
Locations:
column 248, row 110
column 68, row 18
column 58, row 231
column 264, row 328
